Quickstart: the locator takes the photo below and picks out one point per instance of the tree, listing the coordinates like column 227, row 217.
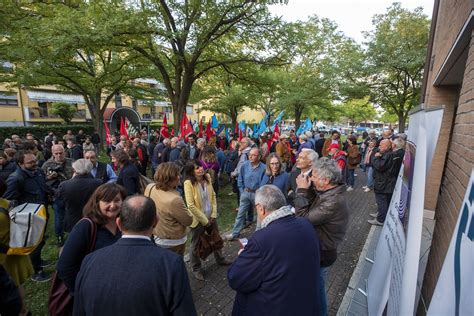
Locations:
column 65, row 46
column 358, row 111
column 396, row 54
column 222, row 93
column 65, row 111
column 184, row 41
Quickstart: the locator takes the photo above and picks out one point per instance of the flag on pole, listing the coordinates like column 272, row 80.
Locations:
column 200, row 129
column 185, row 127
column 131, row 130
column 306, row 126
column 221, row 128
column 227, row 136
column 108, row 141
column 276, row 135
column 172, row 132
column 214, row 122
column 277, row 119
column 236, row 131
column 208, row 131
column 164, row 128
column 123, row 130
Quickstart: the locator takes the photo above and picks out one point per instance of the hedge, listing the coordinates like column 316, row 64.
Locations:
column 41, row 131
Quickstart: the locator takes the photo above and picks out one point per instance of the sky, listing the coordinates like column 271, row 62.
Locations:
column 352, row 16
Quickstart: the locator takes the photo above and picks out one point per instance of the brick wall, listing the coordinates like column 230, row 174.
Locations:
column 457, row 170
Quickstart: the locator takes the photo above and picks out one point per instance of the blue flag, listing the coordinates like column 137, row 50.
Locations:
column 306, row 126
column 227, row 134
column 221, row 128
column 255, row 130
column 214, row 122
column 277, row 120
column 242, row 126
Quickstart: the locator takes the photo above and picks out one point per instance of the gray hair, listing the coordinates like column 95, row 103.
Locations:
column 303, row 137
column 137, row 214
column 166, row 141
column 312, row 155
column 247, row 140
column 270, row 197
column 327, row 169
column 82, row 166
column 201, row 141
column 309, row 134
column 399, row 143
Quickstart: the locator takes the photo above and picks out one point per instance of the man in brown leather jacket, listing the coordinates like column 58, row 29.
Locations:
column 328, row 212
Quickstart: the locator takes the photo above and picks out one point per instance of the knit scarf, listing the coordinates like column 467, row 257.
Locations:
column 273, row 216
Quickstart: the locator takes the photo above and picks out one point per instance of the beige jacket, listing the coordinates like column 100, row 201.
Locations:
column 172, row 213
column 193, row 200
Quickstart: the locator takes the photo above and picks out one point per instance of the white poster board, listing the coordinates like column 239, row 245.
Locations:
column 455, row 287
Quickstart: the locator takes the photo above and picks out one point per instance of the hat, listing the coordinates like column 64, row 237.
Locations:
column 283, row 136
column 333, row 146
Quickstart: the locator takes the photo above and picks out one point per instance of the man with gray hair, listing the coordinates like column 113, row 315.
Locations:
column 134, row 276
column 250, row 175
column 328, row 212
column 277, row 271
column 304, row 164
column 76, row 192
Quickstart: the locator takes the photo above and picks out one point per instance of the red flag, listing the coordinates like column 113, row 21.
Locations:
column 164, row 128
column 276, row 136
column 208, row 131
column 123, row 128
column 172, row 132
column 236, row 128
column 200, row 129
column 107, row 134
column 185, row 127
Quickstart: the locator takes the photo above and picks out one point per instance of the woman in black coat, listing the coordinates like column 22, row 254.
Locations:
column 129, row 175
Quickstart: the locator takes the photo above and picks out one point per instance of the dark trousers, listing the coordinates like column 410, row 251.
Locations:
column 59, row 211
column 383, row 202
column 196, row 232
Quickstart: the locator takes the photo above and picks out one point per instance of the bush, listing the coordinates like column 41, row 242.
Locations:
column 41, row 131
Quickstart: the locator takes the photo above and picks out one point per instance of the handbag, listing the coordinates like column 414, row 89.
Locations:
column 60, row 302
column 143, row 182
column 209, row 241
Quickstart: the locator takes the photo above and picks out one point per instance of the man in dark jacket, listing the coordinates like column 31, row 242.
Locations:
column 95, row 139
column 277, row 272
column 100, row 170
column 74, row 151
column 304, row 163
column 28, row 185
column 386, row 164
column 134, row 276
column 76, row 192
column 58, row 169
column 328, row 212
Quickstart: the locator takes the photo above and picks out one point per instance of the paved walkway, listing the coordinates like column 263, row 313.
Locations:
column 214, row 297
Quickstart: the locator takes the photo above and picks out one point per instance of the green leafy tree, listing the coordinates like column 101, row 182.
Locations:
column 186, row 40
column 66, row 46
column 395, row 56
column 65, row 111
column 357, row 111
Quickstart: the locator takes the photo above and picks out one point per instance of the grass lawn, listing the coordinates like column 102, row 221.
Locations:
column 37, row 293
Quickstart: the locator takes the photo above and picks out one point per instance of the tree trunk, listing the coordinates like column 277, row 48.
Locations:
column 401, row 122
column 298, row 113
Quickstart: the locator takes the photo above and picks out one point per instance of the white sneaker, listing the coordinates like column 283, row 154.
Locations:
column 229, row 237
column 364, row 187
column 355, row 174
column 350, row 189
column 367, row 190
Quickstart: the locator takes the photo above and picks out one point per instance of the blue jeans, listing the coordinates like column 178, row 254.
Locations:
column 245, row 214
column 323, row 304
column 350, row 177
column 370, row 177
column 59, row 210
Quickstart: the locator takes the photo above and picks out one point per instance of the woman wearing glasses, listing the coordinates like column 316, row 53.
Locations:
column 274, row 174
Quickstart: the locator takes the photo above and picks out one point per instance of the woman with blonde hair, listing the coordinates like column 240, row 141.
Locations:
column 170, row 232
column 201, row 200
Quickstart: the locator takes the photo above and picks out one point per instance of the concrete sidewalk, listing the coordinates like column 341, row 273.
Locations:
column 214, row 296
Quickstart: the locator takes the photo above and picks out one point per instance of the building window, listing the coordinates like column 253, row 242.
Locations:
column 189, row 110
column 8, row 99
column 118, row 100
column 43, row 109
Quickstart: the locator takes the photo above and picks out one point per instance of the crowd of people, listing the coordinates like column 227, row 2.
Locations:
column 122, row 245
